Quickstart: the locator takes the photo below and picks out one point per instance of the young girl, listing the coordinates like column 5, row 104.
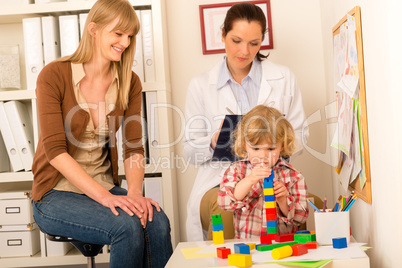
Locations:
column 263, row 137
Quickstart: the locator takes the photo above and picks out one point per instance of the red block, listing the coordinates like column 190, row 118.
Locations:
column 299, row 249
column 312, row 244
column 266, row 239
column 270, row 211
column 223, row 252
column 270, row 217
column 271, row 236
column 284, row 237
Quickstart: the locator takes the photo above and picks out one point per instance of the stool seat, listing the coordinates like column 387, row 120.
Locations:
column 87, row 249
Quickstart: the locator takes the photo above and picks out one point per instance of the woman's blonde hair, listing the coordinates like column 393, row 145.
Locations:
column 261, row 125
column 103, row 13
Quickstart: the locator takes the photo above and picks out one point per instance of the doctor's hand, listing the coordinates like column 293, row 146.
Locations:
column 214, row 138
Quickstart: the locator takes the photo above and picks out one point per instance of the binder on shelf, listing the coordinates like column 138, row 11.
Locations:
column 119, row 135
column 21, row 127
column 10, row 75
column 33, row 49
column 5, row 162
column 51, row 39
column 152, row 125
column 83, row 19
column 147, row 45
column 138, row 63
column 9, row 141
column 153, row 189
column 69, row 34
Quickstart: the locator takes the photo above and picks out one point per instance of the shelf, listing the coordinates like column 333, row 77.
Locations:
column 73, row 257
column 15, row 13
column 23, row 176
column 18, row 94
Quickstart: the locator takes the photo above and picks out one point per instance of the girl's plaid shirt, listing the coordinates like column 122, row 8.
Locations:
column 248, row 213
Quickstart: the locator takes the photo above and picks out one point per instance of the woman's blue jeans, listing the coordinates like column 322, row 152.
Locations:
column 78, row 216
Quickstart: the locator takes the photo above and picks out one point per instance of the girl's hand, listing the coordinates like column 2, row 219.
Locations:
column 280, row 191
column 259, row 172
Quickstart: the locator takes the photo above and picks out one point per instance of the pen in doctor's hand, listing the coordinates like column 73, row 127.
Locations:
column 230, row 111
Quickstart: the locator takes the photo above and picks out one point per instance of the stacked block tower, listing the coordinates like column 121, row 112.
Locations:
column 217, row 229
column 270, row 206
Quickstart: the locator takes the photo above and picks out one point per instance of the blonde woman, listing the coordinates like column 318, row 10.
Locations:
column 82, row 100
column 262, row 138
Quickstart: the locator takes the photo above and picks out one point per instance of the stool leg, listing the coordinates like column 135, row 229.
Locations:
column 90, row 262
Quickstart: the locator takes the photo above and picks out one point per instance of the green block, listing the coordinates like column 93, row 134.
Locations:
column 216, row 219
column 313, row 238
column 272, row 230
column 262, row 247
column 303, row 238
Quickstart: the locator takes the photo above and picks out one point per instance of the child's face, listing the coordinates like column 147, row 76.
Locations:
column 264, row 153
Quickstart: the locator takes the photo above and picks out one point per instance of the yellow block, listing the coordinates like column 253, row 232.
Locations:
column 217, row 237
column 251, row 245
column 269, row 191
column 282, row 252
column 240, row 260
column 270, row 204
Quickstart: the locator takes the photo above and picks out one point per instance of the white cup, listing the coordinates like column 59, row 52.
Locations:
column 330, row 225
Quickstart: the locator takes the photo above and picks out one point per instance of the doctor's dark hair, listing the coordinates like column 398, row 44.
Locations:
column 249, row 12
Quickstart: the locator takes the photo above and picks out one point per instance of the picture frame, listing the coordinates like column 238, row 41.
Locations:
column 212, row 17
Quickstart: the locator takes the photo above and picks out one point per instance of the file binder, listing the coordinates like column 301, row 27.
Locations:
column 83, row 19
column 223, row 149
column 9, row 142
column 153, row 189
column 138, row 63
column 21, row 127
column 147, row 45
column 5, row 161
column 152, row 125
column 51, row 39
column 33, row 49
column 69, row 34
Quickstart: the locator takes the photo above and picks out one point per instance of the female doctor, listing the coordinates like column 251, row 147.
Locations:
column 242, row 80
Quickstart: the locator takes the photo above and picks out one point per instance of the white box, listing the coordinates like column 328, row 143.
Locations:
column 330, row 225
column 15, row 208
column 51, row 248
column 19, row 240
column 15, row 2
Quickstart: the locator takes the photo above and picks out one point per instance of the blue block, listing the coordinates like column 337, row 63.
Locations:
column 269, row 198
column 271, row 224
column 339, row 242
column 268, row 183
column 217, row 227
column 303, row 232
column 242, row 248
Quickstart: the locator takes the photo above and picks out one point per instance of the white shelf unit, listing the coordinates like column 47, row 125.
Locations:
column 11, row 34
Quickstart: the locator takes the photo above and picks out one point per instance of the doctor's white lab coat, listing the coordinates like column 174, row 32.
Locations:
column 205, row 110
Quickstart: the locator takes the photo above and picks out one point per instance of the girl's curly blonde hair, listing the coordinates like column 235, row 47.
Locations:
column 264, row 125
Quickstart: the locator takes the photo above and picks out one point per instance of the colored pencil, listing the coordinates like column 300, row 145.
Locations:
column 337, row 202
column 316, row 208
column 324, row 207
column 351, row 203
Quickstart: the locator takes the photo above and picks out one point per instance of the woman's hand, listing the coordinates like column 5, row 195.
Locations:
column 146, row 205
column 132, row 205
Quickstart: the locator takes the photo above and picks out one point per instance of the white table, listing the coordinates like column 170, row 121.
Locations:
column 179, row 260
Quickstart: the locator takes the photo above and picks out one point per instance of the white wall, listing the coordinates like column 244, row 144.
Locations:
column 297, row 44
column 379, row 223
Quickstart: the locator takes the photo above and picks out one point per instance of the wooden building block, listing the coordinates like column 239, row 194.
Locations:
column 282, row 252
column 240, row 260
column 223, row 252
column 299, row 249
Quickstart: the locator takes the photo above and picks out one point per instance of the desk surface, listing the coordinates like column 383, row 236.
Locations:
column 179, row 260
